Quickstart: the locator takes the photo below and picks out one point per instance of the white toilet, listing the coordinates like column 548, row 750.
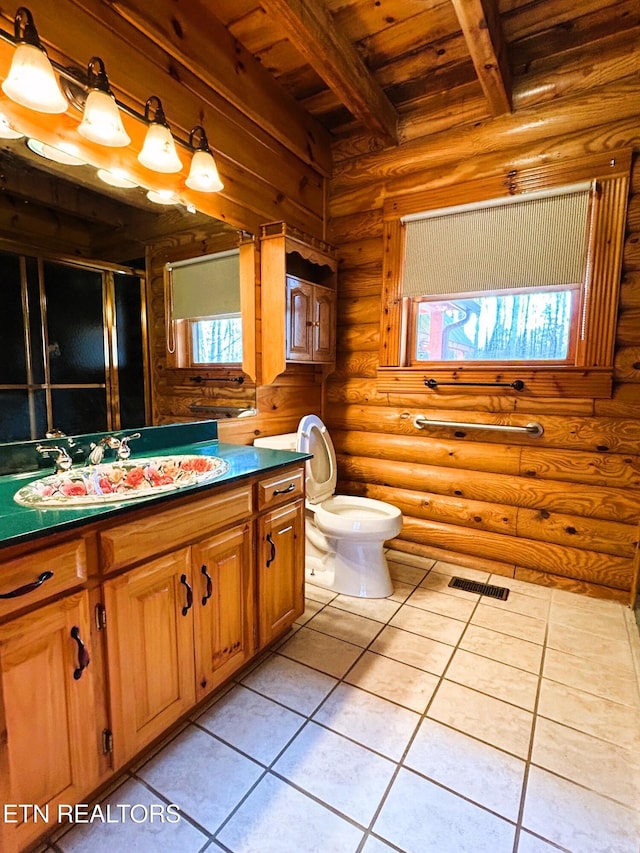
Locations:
column 344, row 534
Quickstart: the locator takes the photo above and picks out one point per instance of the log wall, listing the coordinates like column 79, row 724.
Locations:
column 560, row 510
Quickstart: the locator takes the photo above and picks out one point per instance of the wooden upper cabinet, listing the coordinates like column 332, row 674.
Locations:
column 48, row 740
column 310, row 322
column 298, row 292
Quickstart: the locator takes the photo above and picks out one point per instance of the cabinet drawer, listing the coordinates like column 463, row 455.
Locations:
column 168, row 529
column 280, row 488
column 40, row 574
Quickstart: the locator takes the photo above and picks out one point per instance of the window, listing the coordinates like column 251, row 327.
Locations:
column 533, row 324
column 204, row 320
column 482, row 287
column 217, row 340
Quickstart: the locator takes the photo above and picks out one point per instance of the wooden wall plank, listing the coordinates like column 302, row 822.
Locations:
column 608, row 503
column 554, row 559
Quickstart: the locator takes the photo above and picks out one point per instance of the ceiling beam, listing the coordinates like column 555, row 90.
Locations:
column 480, row 24
column 312, row 31
column 192, row 35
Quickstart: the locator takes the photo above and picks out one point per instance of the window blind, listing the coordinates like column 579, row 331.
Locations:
column 206, row 287
column 533, row 241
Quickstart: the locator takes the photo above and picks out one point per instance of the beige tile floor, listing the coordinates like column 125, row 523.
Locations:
column 434, row 721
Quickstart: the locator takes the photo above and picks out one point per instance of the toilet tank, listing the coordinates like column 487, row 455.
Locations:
column 286, row 441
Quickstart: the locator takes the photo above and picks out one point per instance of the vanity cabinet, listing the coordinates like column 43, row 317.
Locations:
column 280, row 574
column 180, row 624
column 48, row 749
column 311, row 322
column 134, row 623
column 298, row 293
column 223, row 606
column 280, row 555
column 149, row 633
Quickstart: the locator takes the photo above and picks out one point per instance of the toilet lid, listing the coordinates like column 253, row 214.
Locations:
column 321, row 476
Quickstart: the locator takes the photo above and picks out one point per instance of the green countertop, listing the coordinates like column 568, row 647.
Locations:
column 20, row 523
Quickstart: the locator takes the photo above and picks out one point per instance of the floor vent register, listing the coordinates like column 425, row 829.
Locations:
column 500, row 592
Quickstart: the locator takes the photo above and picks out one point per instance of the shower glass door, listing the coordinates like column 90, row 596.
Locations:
column 75, row 346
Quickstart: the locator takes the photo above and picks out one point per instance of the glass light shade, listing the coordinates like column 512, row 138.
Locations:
column 65, row 152
column 162, row 196
column 6, row 131
column 101, row 121
column 32, row 81
column 117, row 178
column 203, row 175
column 159, row 150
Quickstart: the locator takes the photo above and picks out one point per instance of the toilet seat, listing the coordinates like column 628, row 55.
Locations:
column 321, row 471
column 357, row 518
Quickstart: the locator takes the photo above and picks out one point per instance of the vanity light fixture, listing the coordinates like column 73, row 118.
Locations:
column 117, row 178
column 159, row 150
column 31, row 81
column 101, row 121
column 6, row 131
column 64, row 152
column 203, row 175
column 163, row 197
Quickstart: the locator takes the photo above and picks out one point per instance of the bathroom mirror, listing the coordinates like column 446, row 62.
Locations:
column 66, row 212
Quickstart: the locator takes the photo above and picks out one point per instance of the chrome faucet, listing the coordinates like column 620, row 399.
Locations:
column 62, row 461
column 110, row 442
column 124, row 451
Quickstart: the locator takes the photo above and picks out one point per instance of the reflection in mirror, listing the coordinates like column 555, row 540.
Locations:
column 203, row 294
column 51, row 214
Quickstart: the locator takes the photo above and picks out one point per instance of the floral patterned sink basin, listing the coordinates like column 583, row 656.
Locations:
column 123, row 480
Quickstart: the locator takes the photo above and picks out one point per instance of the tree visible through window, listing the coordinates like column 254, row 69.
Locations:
column 217, row 340
column 524, row 326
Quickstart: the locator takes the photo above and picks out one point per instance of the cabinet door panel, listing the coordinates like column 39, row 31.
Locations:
column 324, row 325
column 299, row 320
column 280, row 570
column 223, row 606
column 49, row 756
column 150, row 651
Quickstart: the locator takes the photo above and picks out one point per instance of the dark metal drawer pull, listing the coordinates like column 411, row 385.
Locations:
column 273, row 550
column 29, row 587
column 289, row 488
column 189, row 604
column 83, row 654
column 206, row 597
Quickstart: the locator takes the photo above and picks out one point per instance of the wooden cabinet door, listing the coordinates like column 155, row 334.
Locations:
column 150, row 650
column 324, row 324
column 223, row 606
column 280, row 570
column 48, row 742
column 299, row 320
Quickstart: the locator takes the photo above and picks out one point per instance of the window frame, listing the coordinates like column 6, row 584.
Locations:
column 591, row 372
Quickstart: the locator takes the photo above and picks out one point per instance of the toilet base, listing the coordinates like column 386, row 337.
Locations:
column 357, row 568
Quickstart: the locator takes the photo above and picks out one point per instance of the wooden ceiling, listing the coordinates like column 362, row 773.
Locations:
column 293, row 92
column 370, row 67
